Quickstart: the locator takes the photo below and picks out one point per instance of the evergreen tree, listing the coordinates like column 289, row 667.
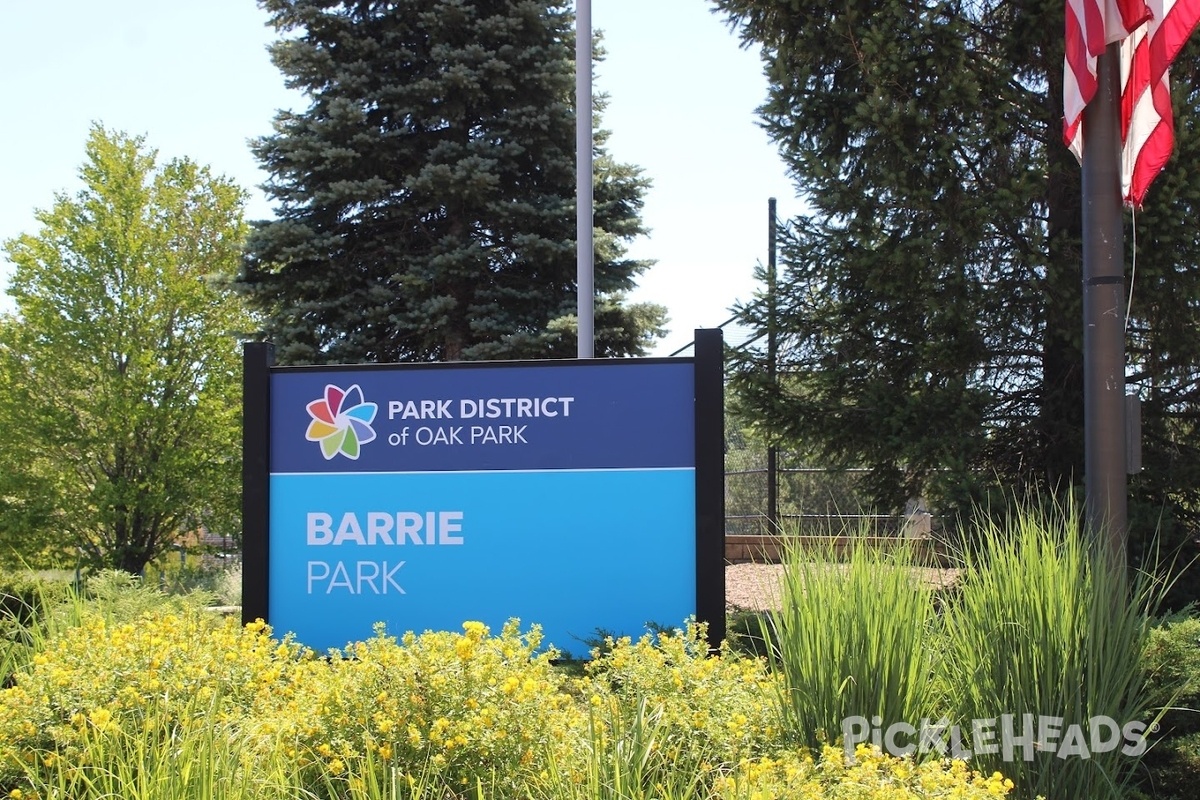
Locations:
column 930, row 300
column 425, row 198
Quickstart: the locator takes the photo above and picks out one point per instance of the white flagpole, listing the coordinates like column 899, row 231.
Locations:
column 583, row 178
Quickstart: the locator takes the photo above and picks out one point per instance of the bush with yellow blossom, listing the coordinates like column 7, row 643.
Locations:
column 173, row 702
column 172, row 667
column 722, row 705
column 462, row 708
column 871, row 776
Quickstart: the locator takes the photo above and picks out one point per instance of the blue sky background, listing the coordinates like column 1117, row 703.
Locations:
column 194, row 78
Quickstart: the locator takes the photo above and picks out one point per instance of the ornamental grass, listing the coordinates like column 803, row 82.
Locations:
column 1045, row 623
column 141, row 699
column 135, row 695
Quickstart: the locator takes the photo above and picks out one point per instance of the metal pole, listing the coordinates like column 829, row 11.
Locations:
column 772, row 356
column 257, row 358
column 1105, row 486
column 583, row 178
column 709, row 423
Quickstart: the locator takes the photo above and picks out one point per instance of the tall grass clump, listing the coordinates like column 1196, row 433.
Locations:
column 704, row 709
column 629, row 754
column 26, row 605
column 169, row 756
column 849, row 637
column 1047, row 624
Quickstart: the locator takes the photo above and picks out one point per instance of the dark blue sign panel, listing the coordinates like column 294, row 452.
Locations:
column 560, row 493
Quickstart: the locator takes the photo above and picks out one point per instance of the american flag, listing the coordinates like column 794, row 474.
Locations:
column 1151, row 33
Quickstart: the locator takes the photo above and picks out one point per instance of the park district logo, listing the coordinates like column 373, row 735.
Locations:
column 341, row 422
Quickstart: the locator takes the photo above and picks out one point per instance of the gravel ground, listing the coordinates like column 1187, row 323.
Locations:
column 752, row 587
column 755, row 587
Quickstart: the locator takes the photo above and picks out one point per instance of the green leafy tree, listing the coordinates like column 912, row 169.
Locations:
column 425, row 198
column 929, row 306
column 120, row 369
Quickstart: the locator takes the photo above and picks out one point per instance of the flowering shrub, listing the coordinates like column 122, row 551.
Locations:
column 164, row 667
column 707, row 710
column 709, row 705
column 461, row 708
column 872, row 776
column 174, row 702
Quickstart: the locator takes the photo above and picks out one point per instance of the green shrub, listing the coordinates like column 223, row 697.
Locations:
column 851, row 639
column 872, row 776
column 1172, row 768
column 704, row 705
column 24, row 602
column 1172, row 665
column 460, row 709
column 218, row 578
column 745, row 631
column 25, row 595
column 1045, row 624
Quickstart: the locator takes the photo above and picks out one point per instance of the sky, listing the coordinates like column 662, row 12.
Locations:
column 194, row 78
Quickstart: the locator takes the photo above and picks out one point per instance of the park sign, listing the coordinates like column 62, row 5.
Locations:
column 579, row 495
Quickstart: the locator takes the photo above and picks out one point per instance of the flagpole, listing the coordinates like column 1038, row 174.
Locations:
column 1105, row 486
column 584, row 266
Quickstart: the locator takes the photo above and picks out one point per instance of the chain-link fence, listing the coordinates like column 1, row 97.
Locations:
column 809, row 500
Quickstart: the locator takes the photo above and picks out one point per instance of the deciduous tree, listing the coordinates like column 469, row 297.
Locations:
column 120, row 368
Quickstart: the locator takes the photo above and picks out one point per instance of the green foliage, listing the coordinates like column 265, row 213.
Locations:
column 1172, row 665
column 850, row 639
column 123, row 682
column 704, row 707
column 219, row 578
column 1045, row 624
column 929, row 307
column 114, row 664
column 169, row 756
column 25, row 603
column 629, row 757
column 794, row 776
column 120, row 371
column 143, row 699
column 25, row 597
column 466, row 708
column 1173, row 769
column 425, row 198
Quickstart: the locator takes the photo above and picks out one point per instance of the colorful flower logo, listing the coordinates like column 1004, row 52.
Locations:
column 341, row 422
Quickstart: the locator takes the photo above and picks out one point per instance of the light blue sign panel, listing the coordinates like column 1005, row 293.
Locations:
column 424, row 497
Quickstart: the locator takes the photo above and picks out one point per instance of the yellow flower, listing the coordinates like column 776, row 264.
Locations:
column 475, row 630
column 101, row 717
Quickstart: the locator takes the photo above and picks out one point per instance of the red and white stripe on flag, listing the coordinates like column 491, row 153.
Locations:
column 1147, row 124
column 1092, row 25
column 1151, row 33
